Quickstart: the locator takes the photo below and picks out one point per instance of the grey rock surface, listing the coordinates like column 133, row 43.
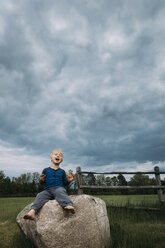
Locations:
column 57, row 228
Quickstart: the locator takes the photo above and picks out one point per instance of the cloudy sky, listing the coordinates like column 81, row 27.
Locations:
column 84, row 76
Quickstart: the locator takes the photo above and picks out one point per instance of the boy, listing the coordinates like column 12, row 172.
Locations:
column 53, row 178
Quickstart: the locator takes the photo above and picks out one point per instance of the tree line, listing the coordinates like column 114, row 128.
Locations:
column 120, row 180
column 28, row 184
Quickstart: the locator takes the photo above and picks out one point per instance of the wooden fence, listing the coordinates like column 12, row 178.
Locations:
column 156, row 171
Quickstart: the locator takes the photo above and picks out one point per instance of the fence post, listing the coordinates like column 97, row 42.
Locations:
column 79, row 180
column 158, row 181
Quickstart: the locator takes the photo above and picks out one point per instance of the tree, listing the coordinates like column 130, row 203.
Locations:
column 2, row 175
column 108, row 181
column 139, row 180
column 5, row 184
column 114, row 181
column 122, row 182
column 100, row 180
column 91, row 180
column 26, row 178
column 35, row 177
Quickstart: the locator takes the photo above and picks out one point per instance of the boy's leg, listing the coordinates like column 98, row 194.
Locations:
column 41, row 199
column 61, row 196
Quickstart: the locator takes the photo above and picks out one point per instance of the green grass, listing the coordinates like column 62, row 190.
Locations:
column 129, row 228
column 10, row 235
column 123, row 200
column 136, row 228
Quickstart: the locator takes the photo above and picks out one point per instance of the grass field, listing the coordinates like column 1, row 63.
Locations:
column 10, row 235
column 123, row 200
column 129, row 228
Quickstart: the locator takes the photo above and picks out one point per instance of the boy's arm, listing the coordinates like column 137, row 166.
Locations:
column 66, row 180
column 43, row 176
column 71, row 177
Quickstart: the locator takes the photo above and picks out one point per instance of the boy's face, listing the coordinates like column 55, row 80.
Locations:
column 56, row 157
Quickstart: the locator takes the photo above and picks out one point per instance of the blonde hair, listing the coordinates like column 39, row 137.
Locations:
column 59, row 151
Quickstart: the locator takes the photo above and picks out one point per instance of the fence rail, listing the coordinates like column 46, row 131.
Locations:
column 122, row 187
column 156, row 171
column 121, row 172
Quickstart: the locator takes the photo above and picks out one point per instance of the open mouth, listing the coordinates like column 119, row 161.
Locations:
column 57, row 159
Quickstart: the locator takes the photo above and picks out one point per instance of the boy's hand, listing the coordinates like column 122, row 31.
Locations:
column 42, row 177
column 70, row 177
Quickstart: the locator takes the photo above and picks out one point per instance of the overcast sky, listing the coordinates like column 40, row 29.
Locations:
column 84, row 76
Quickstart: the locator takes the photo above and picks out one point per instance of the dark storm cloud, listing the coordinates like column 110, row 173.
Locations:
column 87, row 77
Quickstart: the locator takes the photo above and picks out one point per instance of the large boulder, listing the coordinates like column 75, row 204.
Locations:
column 58, row 228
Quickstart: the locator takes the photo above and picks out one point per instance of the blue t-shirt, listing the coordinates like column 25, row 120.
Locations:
column 54, row 178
